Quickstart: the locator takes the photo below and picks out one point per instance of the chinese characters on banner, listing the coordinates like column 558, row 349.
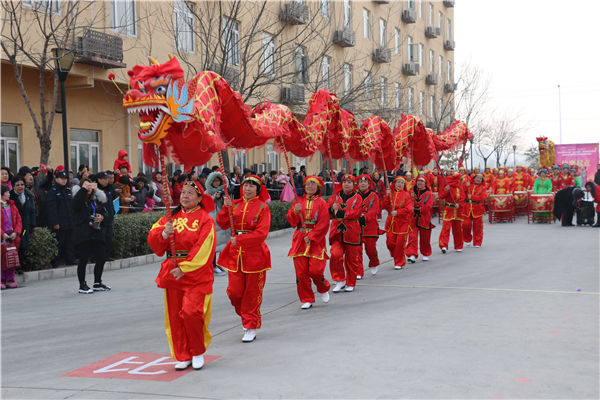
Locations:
column 584, row 155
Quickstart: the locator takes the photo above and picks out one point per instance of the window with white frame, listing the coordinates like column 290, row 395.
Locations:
column 421, row 55
column 268, row 56
column 366, row 24
column 383, row 88
column 431, row 107
column 431, row 62
column 9, row 147
column 347, row 78
column 122, row 17
column 440, row 66
column 449, row 71
column 397, row 41
column 300, row 69
column 409, row 42
column 325, row 8
column 397, row 95
column 440, row 20
column 382, row 33
column 45, row 6
column 430, row 14
column 85, row 148
column 325, row 72
column 449, row 29
column 141, row 166
column 367, row 78
column 231, row 41
column 272, row 158
column 410, row 100
column 421, row 103
column 347, row 15
column 239, row 158
column 184, row 26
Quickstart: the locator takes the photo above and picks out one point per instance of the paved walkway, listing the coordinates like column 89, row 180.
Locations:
column 517, row 318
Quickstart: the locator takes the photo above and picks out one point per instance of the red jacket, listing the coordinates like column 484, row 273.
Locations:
column 452, row 200
column 315, row 214
column 120, row 162
column 475, row 207
column 566, row 181
column 422, row 205
column 195, row 243
column 344, row 223
column 370, row 210
column 502, row 185
column 401, row 202
column 252, row 219
column 17, row 224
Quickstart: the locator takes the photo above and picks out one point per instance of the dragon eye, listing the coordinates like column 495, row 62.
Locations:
column 161, row 90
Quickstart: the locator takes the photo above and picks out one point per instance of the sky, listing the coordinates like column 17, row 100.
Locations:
column 529, row 47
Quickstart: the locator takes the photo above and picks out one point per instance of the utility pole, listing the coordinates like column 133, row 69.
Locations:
column 559, row 115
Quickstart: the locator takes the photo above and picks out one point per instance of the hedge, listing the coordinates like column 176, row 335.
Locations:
column 43, row 247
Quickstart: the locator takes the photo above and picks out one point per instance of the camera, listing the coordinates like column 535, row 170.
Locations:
column 95, row 225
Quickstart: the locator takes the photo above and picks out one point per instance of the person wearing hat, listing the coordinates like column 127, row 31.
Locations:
column 472, row 210
column 368, row 222
column 188, row 282
column 502, row 184
column 309, row 215
column 421, row 225
column 488, row 178
column 60, row 217
column 246, row 255
column 543, row 184
column 453, row 195
column 521, row 180
column 399, row 206
column 345, row 208
column 566, row 178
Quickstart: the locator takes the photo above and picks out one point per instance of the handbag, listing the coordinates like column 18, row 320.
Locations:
column 10, row 256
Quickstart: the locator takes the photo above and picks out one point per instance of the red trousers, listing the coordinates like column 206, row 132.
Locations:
column 419, row 238
column 245, row 293
column 344, row 263
column 477, row 225
column 456, row 226
column 396, row 244
column 187, row 315
column 308, row 268
column 370, row 245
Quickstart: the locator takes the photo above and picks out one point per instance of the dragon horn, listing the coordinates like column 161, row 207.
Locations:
column 153, row 61
column 170, row 56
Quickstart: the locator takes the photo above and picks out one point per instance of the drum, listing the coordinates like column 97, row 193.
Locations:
column 541, row 202
column 501, row 202
column 520, row 199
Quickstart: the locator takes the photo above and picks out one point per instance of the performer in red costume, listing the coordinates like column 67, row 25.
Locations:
column 368, row 222
column 188, row 284
column 472, row 210
column 246, row 256
column 434, row 181
column 566, row 178
column 397, row 225
column 521, row 180
column 453, row 194
column 310, row 216
column 345, row 208
column 488, row 178
column 421, row 224
column 502, row 184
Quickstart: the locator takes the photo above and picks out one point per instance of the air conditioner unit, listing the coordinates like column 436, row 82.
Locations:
column 449, row 3
column 410, row 69
column 293, row 95
column 449, row 87
column 344, row 38
column 382, row 55
column 431, row 79
column 449, row 45
column 431, row 32
column 294, row 13
column 409, row 16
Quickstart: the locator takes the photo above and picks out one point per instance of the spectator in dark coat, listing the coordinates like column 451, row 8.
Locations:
column 143, row 191
column 565, row 202
column 111, row 195
column 25, row 203
column 60, row 217
column 597, row 175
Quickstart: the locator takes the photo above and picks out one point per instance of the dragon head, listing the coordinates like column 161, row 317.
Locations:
column 160, row 96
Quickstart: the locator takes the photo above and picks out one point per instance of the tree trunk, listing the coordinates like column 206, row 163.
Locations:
column 45, row 146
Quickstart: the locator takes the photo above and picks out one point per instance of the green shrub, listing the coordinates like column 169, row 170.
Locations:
column 278, row 211
column 43, row 247
column 130, row 233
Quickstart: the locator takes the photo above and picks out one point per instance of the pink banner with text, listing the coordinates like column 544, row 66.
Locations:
column 584, row 155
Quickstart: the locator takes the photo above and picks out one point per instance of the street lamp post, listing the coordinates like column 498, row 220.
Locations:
column 63, row 60
column 559, row 115
column 515, row 157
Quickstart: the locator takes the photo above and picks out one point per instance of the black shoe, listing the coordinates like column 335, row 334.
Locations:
column 100, row 287
column 110, row 259
column 85, row 289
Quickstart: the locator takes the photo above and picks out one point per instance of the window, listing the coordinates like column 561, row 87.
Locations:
column 382, row 33
column 184, row 27
column 239, row 158
column 430, row 14
column 397, row 41
column 440, row 20
column 366, row 24
column 431, row 107
column 347, row 13
column 449, row 71
column 300, row 66
column 268, row 57
column 410, row 100
column 272, row 158
column 441, row 109
column 85, row 149
column 431, row 62
column 325, row 70
column 347, row 78
column 421, row 55
column 231, row 41
column 397, row 95
column 449, row 29
column 325, row 8
column 367, row 77
column 411, row 56
column 9, row 147
column 383, row 86
column 440, row 66
column 122, row 17
column 143, row 167
column 45, row 6
column 420, row 8
column 421, row 103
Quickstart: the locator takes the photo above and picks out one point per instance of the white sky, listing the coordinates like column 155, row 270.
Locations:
column 527, row 48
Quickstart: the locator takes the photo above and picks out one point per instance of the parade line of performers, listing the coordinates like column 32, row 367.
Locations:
column 349, row 217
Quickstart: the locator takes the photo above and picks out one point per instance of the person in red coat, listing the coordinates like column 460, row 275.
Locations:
column 421, row 226
column 594, row 191
column 345, row 208
column 368, row 222
column 488, row 178
column 502, row 184
column 246, row 255
column 472, row 210
column 11, row 229
column 310, row 216
column 434, row 181
column 453, row 195
column 399, row 206
column 122, row 161
column 188, row 282
column 566, row 178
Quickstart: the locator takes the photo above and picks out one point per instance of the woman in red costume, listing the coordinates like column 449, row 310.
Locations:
column 310, row 216
column 502, row 184
column 566, row 178
column 246, row 256
column 421, row 225
column 345, row 208
column 399, row 206
column 453, row 195
column 187, row 283
column 472, row 210
column 368, row 222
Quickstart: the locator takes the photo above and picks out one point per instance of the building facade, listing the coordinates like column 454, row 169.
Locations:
column 380, row 57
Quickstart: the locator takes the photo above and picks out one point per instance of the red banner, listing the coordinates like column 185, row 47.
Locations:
column 584, row 155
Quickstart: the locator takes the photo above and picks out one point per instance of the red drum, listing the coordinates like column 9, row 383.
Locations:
column 540, row 208
column 502, row 207
column 521, row 199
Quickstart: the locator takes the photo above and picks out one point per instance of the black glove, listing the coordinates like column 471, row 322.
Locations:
column 362, row 221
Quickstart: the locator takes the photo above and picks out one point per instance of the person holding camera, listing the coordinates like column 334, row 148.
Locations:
column 89, row 210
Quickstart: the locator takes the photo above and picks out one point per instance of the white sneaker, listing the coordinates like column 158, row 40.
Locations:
column 425, row 258
column 306, row 306
column 412, row 259
column 444, row 250
column 459, row 250
column 398, row 267
column 198, row 361
column 349, row 289
column 249, row 336
column 358, row 277
column 338, row 287
column 325, row 297
column 468, row 244
column 477, row 247
column 374, row 271
column 181, row 365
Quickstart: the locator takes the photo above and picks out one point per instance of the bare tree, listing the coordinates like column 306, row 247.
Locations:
column 532, row 156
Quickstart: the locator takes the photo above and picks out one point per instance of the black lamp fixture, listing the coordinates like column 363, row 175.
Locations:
column 63, row 62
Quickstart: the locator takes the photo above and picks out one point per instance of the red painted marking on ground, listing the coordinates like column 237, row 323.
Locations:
column 523, row 380
column 567, row 314
column 555, row 331
column 141, row 366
